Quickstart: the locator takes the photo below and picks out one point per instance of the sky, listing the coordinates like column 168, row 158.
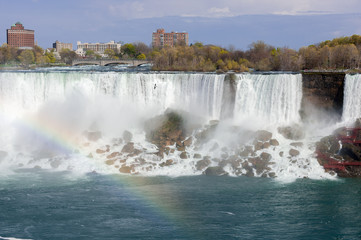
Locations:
column 226, row 23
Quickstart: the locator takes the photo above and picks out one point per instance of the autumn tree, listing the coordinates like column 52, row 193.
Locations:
column 67, row 56
column 27, row 57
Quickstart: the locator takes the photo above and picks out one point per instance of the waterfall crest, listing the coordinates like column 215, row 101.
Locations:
column 274, row 98
column 352, row 99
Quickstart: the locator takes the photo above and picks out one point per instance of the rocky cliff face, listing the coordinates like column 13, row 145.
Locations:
column 322, row 95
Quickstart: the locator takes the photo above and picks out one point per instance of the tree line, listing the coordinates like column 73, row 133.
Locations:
column 337, row 54
column 38, row 56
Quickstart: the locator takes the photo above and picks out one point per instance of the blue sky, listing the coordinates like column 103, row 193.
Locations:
column 291, row 23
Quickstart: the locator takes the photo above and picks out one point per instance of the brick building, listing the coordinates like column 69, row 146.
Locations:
column 60, row 46
column 19, row 37
column 160, row 38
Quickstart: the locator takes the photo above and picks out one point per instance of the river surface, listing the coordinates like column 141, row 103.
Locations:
column 43, row 205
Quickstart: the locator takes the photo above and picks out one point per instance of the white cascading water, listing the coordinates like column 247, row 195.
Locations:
column 201, row 93
column 38, row 106
column 352, row 99
column 270, row 99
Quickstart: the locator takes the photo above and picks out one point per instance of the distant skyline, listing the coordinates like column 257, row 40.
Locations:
column 238, row 23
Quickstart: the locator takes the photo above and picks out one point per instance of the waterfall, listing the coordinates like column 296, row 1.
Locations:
column 270, row 99
column 352, row 99
column 76, row 120
column 152, row 93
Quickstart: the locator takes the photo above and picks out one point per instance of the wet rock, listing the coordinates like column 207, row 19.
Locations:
column 259, row 164
column 128, row 148
column 215, row 171
column 166, row 163
column 110, row 162
column 55, row 163
column 294, row 152
column 350, row 152
column 187, row 142
column 281, row 154
column 127, row 136
column 92, row 136
column 135, row 152
column 258, row 146
column 181, row 149
column 100, row 151
column 274, row 142
column 328, row 144
column 263, row 136
column 249, row 169
column 248, row 151
column 90, row 155
column 197, row 155
column 297, row 144
column 294, row 132
column 206, row 134
column 166, row 130
column 266, row 145
column 266, row 156
column 125, row 169
column 272, row 175
column 202, row 164
column 113, row 155
column 357, row 123
column 183, row 155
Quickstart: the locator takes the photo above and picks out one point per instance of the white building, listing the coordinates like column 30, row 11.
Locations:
column 98, row 48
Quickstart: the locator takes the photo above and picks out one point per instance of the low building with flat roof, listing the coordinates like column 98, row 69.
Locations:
column 98, row 48
column 59, row 46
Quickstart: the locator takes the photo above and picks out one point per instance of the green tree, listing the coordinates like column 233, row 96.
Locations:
column 67, row 56
column 51, row 57
column 141, row 56
column 27, row 57
column 89, row 53
column 129, row 49
column 109, row 52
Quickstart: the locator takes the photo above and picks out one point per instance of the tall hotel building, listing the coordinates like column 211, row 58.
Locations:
column 19, row 37
column 161, row 39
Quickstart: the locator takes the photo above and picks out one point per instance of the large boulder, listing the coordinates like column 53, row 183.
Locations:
column 165, row 130
column 263, row 135
column 294, row 132
column 294, row 152
column 215, row 171
column 202, row 164
column 128, row 148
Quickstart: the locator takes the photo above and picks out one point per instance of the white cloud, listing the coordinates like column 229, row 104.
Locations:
column 128, row 9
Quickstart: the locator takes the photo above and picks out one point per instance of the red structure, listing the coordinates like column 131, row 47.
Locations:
column 19, row 37
column 352, row 136
column 161, row 39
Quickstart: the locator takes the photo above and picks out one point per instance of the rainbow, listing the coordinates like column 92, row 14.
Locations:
column 159, row 201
